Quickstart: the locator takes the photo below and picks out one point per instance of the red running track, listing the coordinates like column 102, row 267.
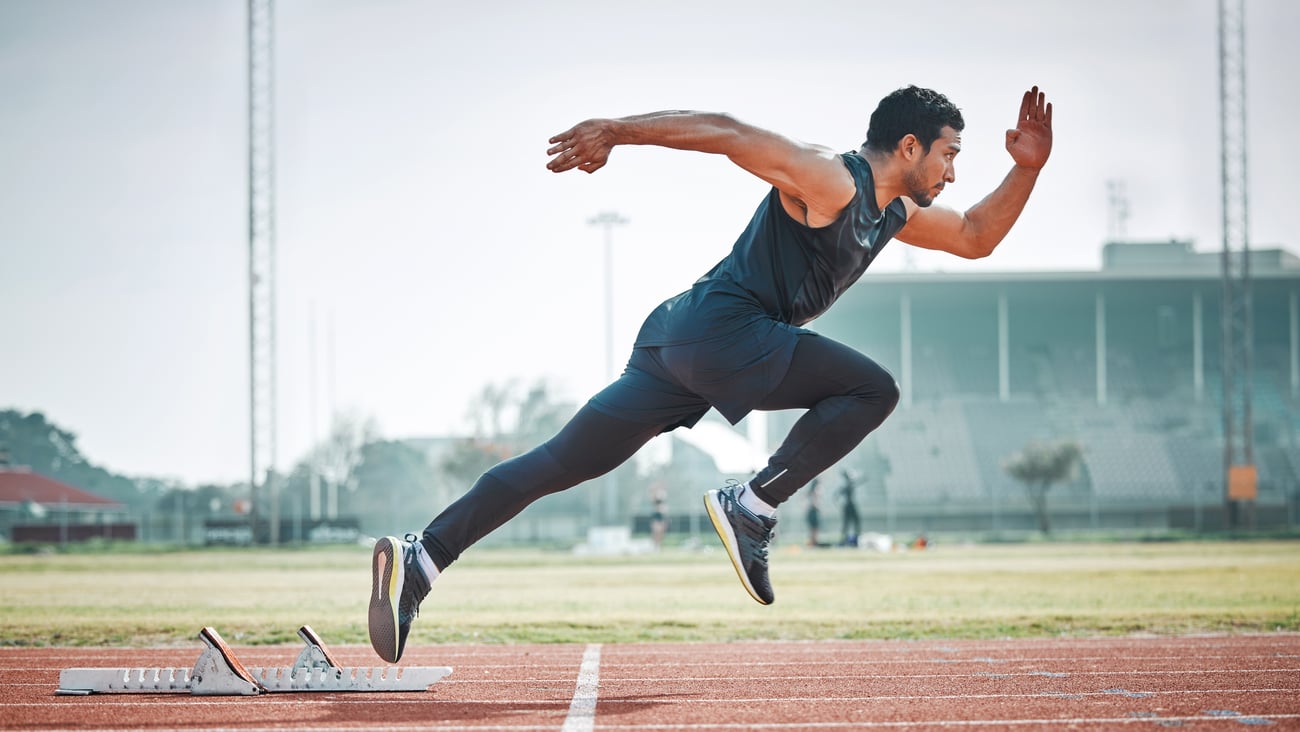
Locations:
column 1196, row 682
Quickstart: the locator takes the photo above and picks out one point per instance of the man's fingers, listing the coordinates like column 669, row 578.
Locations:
column 1038, row 112
column 566, row 135
column 567, row 159
column 562, row 152
column 562, row 162
column 1034, row 107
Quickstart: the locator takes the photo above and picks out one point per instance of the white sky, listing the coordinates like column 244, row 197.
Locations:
column 418, row 224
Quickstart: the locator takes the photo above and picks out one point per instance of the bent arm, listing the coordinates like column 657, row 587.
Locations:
column 977, row 232
column 980, row 229
column 813, row 182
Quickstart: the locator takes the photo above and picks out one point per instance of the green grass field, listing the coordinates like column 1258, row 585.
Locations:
column 509, row 596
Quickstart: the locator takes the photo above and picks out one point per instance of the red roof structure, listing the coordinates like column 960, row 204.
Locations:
column 19, row 485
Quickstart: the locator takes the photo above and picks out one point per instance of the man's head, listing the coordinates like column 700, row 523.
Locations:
column 915, row 111
column 906, row 125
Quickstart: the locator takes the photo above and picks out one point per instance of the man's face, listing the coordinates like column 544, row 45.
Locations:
column 933, row 170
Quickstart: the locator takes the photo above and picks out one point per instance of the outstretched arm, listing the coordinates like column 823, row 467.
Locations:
column 814, row 184
column 979, row 230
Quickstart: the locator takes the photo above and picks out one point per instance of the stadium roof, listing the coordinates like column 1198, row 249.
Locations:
column 1127, row 261
column 20, row 485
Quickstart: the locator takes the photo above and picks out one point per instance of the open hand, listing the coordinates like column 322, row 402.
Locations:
column 584, row 146
column 1030, row 143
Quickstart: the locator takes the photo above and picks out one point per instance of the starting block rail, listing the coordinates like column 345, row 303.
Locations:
column 217, row 672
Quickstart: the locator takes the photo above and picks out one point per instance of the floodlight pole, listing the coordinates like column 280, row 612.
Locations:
column 261, row 264
column 1239, row 476
column 608, row 220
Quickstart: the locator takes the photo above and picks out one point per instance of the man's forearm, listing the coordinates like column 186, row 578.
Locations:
column 707, row 132
column 993, row 217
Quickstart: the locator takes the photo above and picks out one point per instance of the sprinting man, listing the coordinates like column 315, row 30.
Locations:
column 735, row 340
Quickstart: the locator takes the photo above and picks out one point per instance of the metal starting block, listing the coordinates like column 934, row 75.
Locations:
column 218, row 673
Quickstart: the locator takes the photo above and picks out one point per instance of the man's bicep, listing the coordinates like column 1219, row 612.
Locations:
column 935, row 227
column 814, row 175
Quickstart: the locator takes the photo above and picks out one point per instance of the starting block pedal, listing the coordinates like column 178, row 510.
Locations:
column 217, row 672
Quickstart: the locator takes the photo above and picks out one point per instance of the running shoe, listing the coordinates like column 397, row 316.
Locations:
column 746, row 537
column 398, row 587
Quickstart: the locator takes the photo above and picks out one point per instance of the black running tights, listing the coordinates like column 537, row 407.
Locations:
column 847, row 395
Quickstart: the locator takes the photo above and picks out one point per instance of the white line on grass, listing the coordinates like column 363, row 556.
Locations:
column 582, row 711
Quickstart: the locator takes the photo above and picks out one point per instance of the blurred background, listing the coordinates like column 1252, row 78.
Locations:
column 299, row 265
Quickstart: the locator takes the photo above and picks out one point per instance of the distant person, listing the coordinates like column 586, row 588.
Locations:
column 851, row 525
column 814, row 514
column 735, row 340
column 658, row 515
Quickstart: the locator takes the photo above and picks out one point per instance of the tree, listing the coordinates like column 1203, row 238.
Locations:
column 1040, row 466
column 507, row 420
column 31, row 441
column 336, row 459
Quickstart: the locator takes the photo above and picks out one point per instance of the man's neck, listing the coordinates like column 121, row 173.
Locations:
column 887, row 174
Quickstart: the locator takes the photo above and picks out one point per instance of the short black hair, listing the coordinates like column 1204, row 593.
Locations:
column 911, row 110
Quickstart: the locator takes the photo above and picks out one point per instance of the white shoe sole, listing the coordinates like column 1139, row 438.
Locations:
column 718, row 515
column 386, row 577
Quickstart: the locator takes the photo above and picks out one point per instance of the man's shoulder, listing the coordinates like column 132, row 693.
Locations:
column 859, row 167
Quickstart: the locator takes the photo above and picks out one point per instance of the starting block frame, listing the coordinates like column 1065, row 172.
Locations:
column 218, row 672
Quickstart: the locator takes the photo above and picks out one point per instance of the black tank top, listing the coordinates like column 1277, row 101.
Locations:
column 781, row 269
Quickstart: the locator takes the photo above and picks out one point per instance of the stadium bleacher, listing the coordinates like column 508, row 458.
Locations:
column 1150, row 426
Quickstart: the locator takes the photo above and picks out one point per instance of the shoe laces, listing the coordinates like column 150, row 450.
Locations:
column 756, row 528
column 416, row 586
column 762, row 544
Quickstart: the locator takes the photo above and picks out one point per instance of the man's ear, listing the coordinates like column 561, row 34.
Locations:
column 910, row 147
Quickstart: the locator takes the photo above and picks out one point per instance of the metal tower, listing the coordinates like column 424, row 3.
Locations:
column 1238, row 328
column 261, row 263
column 608, row 220
column 1117, row 211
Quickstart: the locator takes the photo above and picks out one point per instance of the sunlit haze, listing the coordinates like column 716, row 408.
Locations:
column 423, row 248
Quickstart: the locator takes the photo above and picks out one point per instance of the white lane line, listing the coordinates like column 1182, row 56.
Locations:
column 582, row 710
column 1044, row 723
column 882, row 677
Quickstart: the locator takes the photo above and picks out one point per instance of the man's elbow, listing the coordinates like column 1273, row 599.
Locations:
column 976, row 248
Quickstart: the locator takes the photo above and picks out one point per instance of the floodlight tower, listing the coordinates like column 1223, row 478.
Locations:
column 1118, row 210
column 608, row 220
column 261, row 263
column 1240, row 478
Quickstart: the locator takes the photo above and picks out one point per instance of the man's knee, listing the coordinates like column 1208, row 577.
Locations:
column 876, row 400
column 889, row 395
column 881, row 392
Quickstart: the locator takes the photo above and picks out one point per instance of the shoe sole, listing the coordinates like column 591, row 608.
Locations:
column 386, row 574
column 718, row 516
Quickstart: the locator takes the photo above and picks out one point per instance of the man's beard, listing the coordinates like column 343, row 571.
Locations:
column 918, row 190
